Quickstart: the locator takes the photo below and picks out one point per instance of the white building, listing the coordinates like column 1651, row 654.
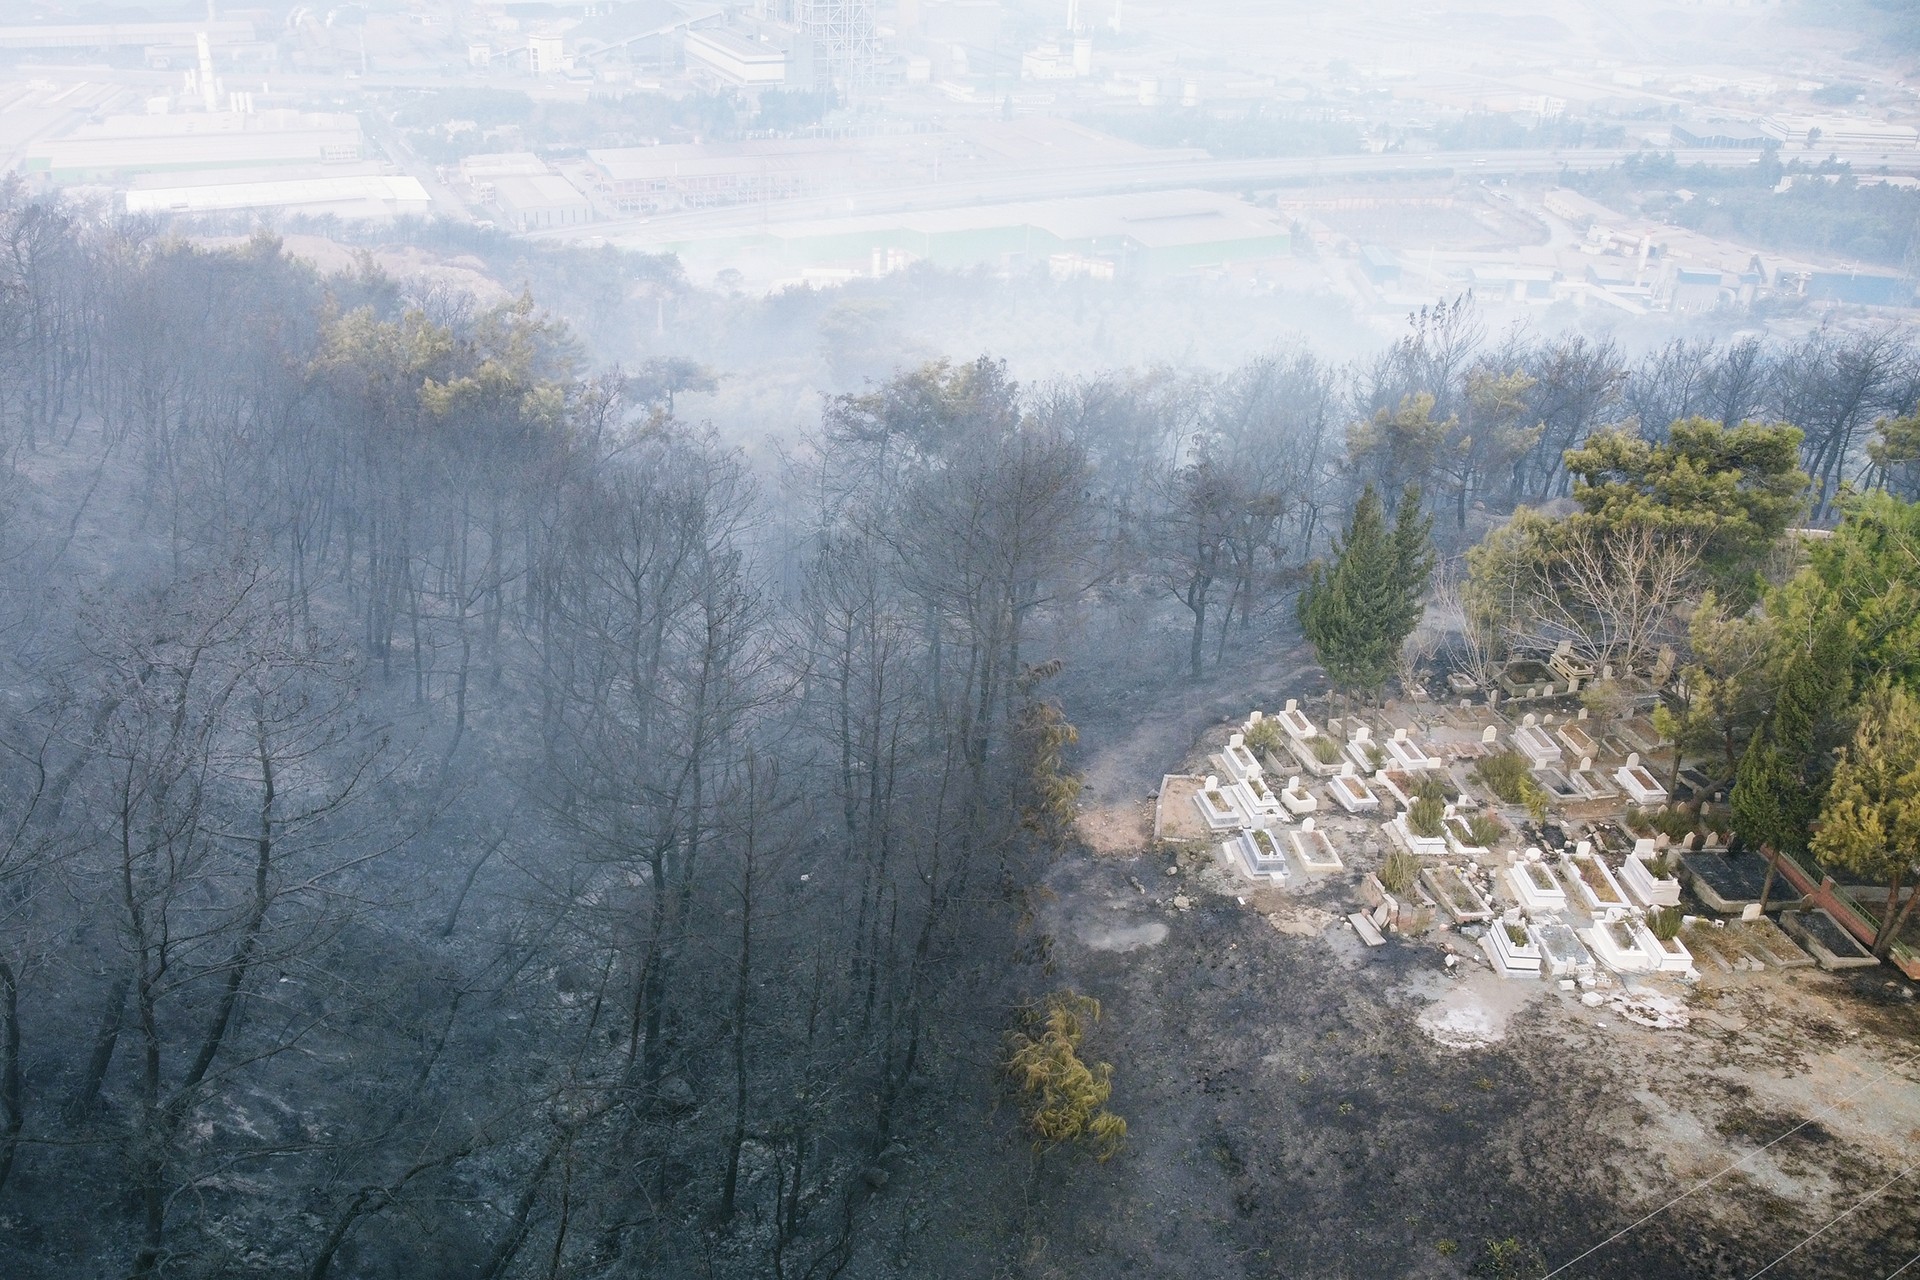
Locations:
column 530, row 203
column 736, row 60
column 545, row 55
column 1841, row 131
column 361, row 196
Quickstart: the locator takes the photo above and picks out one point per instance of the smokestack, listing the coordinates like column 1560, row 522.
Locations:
column 1073, row 15
column 207, row 87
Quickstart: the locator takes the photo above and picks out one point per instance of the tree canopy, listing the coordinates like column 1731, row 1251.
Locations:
column 1358, row 610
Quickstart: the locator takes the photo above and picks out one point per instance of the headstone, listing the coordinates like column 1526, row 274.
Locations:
column 1686, row 841
column 1346, row 769
column 1633, row 759
column 1306, row 824
column 1381, row 914
column 1643, row 848
column 1489, row 735
column 1255, row 718
column 1581, row 716
column 1750, row 912
column 1362, row 734
column 1562, row 649
column 1529, row 720
column 1606, row 672
column 1213, row 783
column 1293, row 704
column 1466, row 704
column 1293, row 783
column 1236, row 739
column 1399, row 735
column 1586, row 763
column 1583, row 848
column 1549, row 718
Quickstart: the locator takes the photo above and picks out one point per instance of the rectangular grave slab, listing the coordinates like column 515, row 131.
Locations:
column 1258, row 855
column 1411, row 755
column 1298, row 799
column 1592, row 784
column 1397, row 785
column 1315, row 851
column 1562, row 954
column 1727, row 882
column 1637, row 876
column 1535, row 886
column 1460, row 840
column 1641, row 786
column 1400, row 833
column 1260, row 801
column 1361, row 752
column 1578, row 740
column 1670, row 955
column 1558, row 785
column 1769, row 941
column 1295, row 722
column 1352, row 793
column 1831, row 946
column 1615, row 945
column 1456, row 897
column 1302, row 749
column 1511, row 959
column 1592, row 883
column 1239, row 761
column 1533, row 742
column 1218, row 807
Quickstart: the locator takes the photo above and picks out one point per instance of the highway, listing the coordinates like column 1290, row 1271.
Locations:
column 1144, row 175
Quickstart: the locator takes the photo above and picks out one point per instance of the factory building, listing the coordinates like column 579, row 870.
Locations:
column 122, row 145
column 358, row 196
column 539, row 201
column 735, row 60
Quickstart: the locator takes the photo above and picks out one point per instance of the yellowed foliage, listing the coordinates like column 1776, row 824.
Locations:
column 1062, row 1098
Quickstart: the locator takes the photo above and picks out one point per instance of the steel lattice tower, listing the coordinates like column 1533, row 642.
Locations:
column 844, row 44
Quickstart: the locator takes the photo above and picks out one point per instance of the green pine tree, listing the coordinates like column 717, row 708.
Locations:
column 1358, row 610
column 1870, row 823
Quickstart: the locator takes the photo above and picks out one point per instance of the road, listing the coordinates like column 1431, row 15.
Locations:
column 1112, row 179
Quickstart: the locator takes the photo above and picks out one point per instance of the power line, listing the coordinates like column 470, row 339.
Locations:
column 1836, row 1222
column 1641, row 1221
column 1909, row 1262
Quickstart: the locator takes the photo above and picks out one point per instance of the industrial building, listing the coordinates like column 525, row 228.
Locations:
column 1725, row 135
column 358, row 196
column 538, row 201
column 125, row 144
column 490, row 166
column 121, row 35
column 735, row 60
column 1840, row 131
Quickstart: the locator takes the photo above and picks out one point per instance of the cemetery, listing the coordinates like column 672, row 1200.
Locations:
column 1547, row 837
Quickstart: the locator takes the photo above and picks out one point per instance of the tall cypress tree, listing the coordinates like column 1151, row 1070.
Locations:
column 1358, row 610
column 1784, row 774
